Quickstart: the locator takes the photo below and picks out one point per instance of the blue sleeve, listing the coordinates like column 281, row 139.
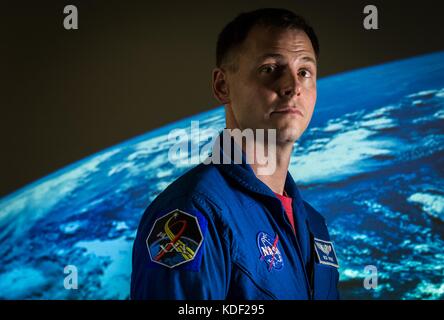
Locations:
column 179, row 253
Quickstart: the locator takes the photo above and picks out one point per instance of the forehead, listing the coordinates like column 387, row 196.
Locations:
column 262, row 40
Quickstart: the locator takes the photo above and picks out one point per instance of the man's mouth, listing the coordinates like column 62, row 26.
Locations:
column 288, row 110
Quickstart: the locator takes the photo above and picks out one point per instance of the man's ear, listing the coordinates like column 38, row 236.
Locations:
column 220, row 86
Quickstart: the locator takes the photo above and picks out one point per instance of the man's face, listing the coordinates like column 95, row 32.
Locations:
column 274, row 86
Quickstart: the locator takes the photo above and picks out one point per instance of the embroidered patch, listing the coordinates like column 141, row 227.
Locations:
column 326, row 252
column 176, row 238
column 268, row 248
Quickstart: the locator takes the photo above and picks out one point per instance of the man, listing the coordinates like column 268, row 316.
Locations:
column 222, row 230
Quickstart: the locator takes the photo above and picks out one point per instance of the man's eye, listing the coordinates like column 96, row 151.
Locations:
column 305, row 73
column 268, row 68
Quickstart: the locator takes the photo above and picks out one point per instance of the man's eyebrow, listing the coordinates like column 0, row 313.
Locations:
column 278, row 56
column 309, row 59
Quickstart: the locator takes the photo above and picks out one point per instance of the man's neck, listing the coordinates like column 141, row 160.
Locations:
column 276, row 180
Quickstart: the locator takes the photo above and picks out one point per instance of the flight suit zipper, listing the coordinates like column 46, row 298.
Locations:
column 299, row 251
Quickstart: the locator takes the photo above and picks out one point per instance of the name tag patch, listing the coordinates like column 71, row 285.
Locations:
column 326, row 252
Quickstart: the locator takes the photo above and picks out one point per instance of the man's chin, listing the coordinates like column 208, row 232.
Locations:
column 283, row 134
column 288, row 135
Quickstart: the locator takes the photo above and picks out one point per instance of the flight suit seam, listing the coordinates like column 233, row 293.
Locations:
column 222, row 228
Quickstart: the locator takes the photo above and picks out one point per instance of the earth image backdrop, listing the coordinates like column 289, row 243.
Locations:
column 371, row 161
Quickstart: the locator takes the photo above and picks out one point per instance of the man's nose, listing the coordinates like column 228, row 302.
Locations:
column 290, row 85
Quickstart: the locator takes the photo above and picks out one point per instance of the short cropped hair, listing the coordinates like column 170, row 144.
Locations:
column 235, row 32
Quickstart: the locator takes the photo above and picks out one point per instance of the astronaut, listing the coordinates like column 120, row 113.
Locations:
column 222, row 230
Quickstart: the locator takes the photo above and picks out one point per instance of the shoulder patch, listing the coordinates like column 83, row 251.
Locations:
column 175, row 239
column 326, row 252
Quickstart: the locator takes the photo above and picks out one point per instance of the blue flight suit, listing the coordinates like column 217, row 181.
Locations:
column 240, row 243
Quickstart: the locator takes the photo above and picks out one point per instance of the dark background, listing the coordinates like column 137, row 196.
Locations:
column 133, row 66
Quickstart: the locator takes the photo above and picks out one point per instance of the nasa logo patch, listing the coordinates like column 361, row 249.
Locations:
column 269, row 250
column 326, row 252
column 176, row 238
